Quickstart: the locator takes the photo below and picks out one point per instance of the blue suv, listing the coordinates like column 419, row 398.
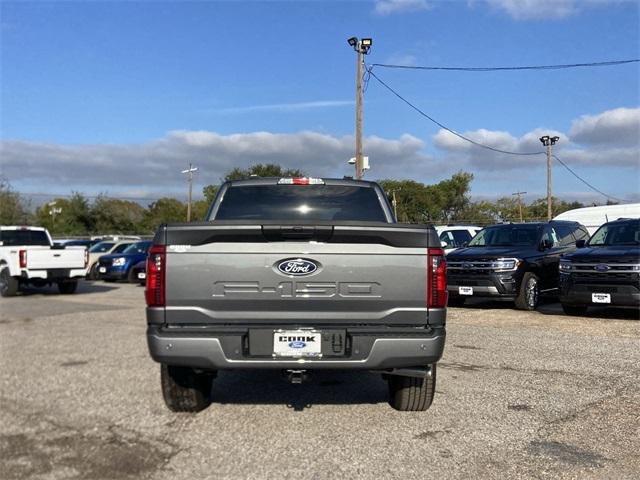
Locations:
column 118, row 266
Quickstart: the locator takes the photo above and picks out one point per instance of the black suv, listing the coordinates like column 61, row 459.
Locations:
column 607, row 272
column 513, row 261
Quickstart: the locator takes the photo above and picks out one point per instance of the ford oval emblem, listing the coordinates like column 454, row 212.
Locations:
column 602, row 267
column 297, row 344
column 297, row 267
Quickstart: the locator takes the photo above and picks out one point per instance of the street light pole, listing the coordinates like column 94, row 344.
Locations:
column 189, row 171
column 362, row 48
column 549, row 142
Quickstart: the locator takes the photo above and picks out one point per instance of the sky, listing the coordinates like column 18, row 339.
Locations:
column 118, row 97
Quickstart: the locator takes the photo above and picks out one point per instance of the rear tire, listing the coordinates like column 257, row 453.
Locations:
column 185, row 390
column 410, row 394
column 456, row 301
column 67, row 288
column 8, row 285
column 574, row 310
column 529, row 292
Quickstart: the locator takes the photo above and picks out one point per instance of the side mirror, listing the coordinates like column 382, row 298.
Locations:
column 546, row 244
column 581, row 243
column 444, row 244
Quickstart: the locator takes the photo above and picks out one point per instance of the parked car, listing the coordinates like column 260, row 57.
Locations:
column 139, row 272
column 297, row 274
column 103, row 248
column 118, row 266
column 515, row 261
column 605, row 271
column 28, row 256
column 455, row 236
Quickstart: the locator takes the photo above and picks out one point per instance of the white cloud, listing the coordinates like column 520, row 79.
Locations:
column 155, row 166
column 286, row 107
column 543, row 9
column 389, row 7
column 402, row 59
column 617, row 126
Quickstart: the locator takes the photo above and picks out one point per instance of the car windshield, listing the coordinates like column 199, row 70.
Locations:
column 138, row 247
column 627, row 233
column 507, row 236
column 101, row 247
column 301, row 202
column 24, row 237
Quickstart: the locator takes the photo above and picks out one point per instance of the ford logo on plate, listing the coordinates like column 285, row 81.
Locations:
column 297, row 344
column 297, row 267
column 601, row 267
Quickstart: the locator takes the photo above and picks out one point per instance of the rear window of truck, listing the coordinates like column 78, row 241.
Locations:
column 301, row 202
column 28, row 238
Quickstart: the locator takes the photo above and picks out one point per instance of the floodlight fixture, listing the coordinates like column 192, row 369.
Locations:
column 545, row 140
column 353, row 41
column 554, row 140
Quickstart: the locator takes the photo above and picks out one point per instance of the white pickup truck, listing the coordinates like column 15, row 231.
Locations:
column 28, row 256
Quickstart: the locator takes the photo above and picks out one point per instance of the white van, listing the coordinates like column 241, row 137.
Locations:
column 594, row 217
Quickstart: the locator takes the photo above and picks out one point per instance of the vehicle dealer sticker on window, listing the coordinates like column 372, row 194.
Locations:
column 297, row 343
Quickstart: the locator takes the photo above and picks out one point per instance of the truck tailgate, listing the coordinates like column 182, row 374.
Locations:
column 240, row 283
column 46, row 258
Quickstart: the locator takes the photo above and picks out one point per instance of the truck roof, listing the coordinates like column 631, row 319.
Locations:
column 277, row 180
column 21, row 227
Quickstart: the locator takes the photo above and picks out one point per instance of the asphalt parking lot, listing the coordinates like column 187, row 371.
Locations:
column 519, row 395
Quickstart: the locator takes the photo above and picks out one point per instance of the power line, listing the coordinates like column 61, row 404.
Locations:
column 585, row 182
column 478, row 144
column 370, row 72
column 526, row 67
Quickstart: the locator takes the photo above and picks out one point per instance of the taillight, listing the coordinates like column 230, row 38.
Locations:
column 86, row 258
column 23, row 258
column 437, row 279
column 156, row 266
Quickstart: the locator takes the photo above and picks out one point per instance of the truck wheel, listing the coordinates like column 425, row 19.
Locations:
column 67, row 288
column 132, row 276
column 184, row 390
column 410, row 394
column 8, row 284
column 575, row 310
column 456, row 301
column 527, row 299
column 93, row 272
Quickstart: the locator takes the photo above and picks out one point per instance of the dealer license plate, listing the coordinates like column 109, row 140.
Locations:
column 465, row 290
column 102, row 269
column 601, row 297
column 297, row 343
column 142, row 275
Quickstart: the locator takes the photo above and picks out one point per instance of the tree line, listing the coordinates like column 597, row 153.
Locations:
column 445, row 202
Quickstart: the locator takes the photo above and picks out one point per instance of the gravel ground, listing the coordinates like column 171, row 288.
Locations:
column 519, row 395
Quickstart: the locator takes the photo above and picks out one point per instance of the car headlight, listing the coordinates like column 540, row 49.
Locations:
column 565, row 266
column 118, row 262
column 505, row 264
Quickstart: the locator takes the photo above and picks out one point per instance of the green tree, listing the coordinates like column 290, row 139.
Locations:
column 113, row 216
column 13, row 208
column 66, row 216
column 263, row 170
column 210, row 192
column 164, row 210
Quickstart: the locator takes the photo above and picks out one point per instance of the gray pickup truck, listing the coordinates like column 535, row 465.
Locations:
column 296, row 274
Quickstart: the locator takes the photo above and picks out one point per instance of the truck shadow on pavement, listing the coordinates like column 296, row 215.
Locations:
column 326, row 387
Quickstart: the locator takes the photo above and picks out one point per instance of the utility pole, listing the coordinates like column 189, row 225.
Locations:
column 519, row 202
column 362, row 48
column 190, row 171
column 53, row 211
column 549, row 142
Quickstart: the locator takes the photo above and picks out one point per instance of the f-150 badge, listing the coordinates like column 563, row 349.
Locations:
column 297, row 267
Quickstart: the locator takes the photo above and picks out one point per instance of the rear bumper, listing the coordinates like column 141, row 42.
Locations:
column 53, row 275
column 383, row 352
